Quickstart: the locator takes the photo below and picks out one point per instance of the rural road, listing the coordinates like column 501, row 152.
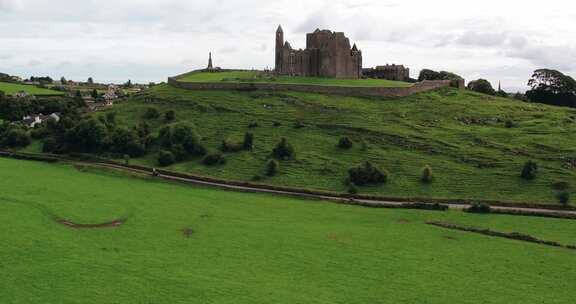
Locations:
column 363, row 202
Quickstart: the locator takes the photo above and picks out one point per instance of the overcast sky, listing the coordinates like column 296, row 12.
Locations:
column 148, row 40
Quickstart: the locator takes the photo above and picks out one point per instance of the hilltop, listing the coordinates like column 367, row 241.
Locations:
column 476, row 144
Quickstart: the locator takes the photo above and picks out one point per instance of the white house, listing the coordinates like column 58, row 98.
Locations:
column 36, row 119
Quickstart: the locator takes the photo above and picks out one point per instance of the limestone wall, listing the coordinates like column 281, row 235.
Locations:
column 335, row 90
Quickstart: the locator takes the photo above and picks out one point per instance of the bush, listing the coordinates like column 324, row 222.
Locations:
column 213, row 159
column 170, row 115
column 272, row 167
column 345, row 143
column 352, row 189
column 229, row 146
column 509, row 124
column 166, row 158
column 50, row 145
column 479, row 208
column 283, row 150
column 367, row 174
column 427, row 175
column 181, row 134
column 563, row 198
column 253, row 125
column 248, row 141
column 15, row 137
column 530, row 170
column 151, row 113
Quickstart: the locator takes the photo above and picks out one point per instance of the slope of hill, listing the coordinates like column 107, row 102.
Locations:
column 11, row 88
column 476, row 144
column 256, row 77
column 180, row 244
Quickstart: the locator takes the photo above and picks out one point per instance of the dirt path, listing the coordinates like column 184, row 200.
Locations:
column 363, row 202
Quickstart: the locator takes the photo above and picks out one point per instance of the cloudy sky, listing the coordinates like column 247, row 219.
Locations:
column 148, row 40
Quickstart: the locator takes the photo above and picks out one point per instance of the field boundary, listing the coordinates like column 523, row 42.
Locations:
column 498, row 207
column 419, row 87
column 512, row 235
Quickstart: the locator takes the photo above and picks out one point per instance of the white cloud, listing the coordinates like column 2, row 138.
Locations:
column 148, row 40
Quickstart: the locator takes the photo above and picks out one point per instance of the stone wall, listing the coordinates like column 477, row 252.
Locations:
column 335, row 90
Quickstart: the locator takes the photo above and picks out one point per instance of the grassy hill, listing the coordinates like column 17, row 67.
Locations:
column 11, row 88
column 462, row 135
column 252, row 248
column 256, row 77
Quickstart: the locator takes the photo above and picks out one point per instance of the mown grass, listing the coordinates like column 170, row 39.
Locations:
column 256, row 77
column 461, row 135
column 11, row 88
column 253, row 248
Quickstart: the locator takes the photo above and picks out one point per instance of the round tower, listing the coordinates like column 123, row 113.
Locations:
column 279, row 49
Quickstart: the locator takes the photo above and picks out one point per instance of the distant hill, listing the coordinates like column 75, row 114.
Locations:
column 476, row 144
column 11, row 88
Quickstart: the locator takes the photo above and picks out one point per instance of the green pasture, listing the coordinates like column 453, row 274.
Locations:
column 11, row 88
column 254, row 248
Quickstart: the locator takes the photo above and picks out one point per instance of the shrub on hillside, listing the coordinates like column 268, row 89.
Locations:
column 529, row 170
column 230, row 146
column 367, row 174
column 509, row 124
column 253, row 125
column 479, row 208
column 352, row 189
column 152, row 113
column 283, row 150
column 564, row 198
column 166, row 158
column 170, row 115
column 272, row 167
column 181, row 134
column 213, row 159
column 345, row 143
column 248, row 141
column 427, row 175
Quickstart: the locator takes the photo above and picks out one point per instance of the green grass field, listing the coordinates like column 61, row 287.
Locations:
column 11, row 88
column 462, row 135
column 252, row 248
column 255, row 77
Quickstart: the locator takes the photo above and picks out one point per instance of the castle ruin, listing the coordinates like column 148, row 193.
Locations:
column 327, row 54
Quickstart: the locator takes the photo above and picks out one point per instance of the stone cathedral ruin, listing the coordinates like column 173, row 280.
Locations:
column 329, row 54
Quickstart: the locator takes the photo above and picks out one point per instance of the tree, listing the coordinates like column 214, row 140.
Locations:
column 125, row 141
column 128, row 84
column 552, row 87
column 529, row 170
column 345, row 143
column 564, row 198
column 283, row 150
column 165, row 158
column 213, row 159
column 481, row 86
column 88, row 136
column 427, row 174
column 94, row 94
column 427, row 74
column 151, row 113
column 170, row 115
column 63, row 80
column 367, row 174
column 15, row 137
column 248, row 141
column 272, row 167
column 181, row 134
